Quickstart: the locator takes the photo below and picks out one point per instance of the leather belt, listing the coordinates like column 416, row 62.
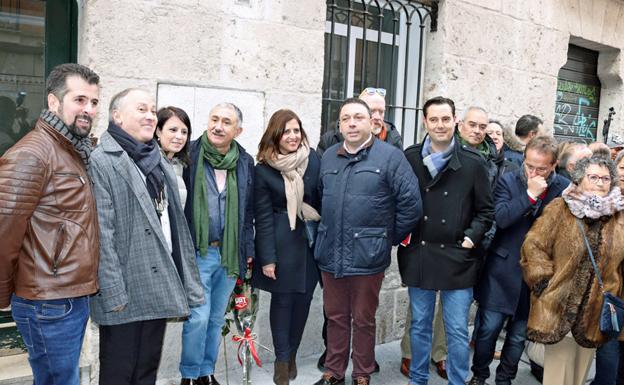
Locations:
column 215, row 244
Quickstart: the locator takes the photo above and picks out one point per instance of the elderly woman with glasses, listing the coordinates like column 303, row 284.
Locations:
column 566, row 298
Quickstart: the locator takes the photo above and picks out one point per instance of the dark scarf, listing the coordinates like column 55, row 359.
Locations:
column 176, row 253
column 147, row 158
column 201, row 217
column 82, row 146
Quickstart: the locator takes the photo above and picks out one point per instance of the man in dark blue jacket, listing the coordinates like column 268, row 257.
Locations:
column 370, row 201
column 520, row 197
column 219, row 210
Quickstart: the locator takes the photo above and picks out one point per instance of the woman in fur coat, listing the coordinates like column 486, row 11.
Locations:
column 565, row 296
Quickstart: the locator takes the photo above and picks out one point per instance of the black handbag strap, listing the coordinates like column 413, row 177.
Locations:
column 591, row 255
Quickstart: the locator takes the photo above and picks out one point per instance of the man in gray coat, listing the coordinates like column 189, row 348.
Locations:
column 147, row 269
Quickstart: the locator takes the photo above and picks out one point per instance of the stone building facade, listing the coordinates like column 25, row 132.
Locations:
column 503, row 55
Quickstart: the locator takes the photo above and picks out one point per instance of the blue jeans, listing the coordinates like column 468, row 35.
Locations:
column 490, row 325
column 607, row 361
column 201, row 333
column 455, row 309
column 52, row 331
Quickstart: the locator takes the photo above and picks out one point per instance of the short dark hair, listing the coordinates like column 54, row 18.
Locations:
column 57, row 79
column 543, row 144
column 527, row 124
column 269, row 144
column 438, row 100
column 580, row 168
column 354, row 101
column 166, row 113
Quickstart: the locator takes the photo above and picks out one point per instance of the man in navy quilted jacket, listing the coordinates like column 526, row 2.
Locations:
column 370, row 201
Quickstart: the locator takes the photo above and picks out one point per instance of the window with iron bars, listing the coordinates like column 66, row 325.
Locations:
column 372, row 43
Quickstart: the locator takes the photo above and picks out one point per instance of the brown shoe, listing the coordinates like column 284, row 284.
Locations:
column 441, row 369
column 328, row 379
column 405, row 365
column 280, row 373
column 292, row 366
column 361, row 381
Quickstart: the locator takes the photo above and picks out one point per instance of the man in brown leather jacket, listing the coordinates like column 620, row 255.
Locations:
column 48, row 227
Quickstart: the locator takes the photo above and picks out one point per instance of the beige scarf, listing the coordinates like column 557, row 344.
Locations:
column 292, row 167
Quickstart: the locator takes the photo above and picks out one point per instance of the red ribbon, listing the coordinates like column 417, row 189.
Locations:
column 248, row 338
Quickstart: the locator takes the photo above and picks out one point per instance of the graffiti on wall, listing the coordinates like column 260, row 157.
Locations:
column 576, row 110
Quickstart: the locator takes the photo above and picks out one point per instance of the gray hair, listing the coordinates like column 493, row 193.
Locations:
column 476, row 108
column 581, row 166
column 117, row 100
column 618, row 158
column 233, row 107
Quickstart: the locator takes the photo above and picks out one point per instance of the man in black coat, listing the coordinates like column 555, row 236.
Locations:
column 439, row 254
column 520, row 197
column 382, row 129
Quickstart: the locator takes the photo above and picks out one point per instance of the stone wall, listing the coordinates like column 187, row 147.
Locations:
column 505, row 55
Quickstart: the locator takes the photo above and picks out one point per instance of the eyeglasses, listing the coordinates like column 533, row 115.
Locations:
column 595, row 178
column 539, row 170
column 372, row 91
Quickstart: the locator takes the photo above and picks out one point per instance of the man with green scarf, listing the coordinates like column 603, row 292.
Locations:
column 219, row 213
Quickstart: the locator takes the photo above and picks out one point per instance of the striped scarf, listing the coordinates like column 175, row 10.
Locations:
column 82, row 146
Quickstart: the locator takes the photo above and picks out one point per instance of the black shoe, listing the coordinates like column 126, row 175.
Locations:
column 186, row 381
column 376, row 370
column 321, row 362
column 329, row 380
column 476, row 381
column 207, row 380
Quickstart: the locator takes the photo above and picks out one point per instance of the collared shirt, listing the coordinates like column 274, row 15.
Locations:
column 365, row 144
column 216, row 203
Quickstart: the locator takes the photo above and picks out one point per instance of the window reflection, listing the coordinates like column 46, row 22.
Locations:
column 22, row 82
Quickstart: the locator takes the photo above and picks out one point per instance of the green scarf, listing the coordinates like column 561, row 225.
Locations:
column 201, row 217
column 483, row 147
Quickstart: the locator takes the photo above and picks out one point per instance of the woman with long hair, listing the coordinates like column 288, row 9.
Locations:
column 285, row 196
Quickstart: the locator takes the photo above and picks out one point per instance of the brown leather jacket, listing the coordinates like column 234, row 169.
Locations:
column 49, row 236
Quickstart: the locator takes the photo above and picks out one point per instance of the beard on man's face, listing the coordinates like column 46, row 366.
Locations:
column 76, row 128
column 80, row 129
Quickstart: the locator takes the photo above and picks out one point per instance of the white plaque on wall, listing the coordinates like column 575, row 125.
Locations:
column 198, row 101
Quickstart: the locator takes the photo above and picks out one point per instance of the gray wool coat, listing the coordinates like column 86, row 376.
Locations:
column 136, row 268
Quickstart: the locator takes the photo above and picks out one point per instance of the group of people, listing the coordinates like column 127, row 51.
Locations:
column 148, row 226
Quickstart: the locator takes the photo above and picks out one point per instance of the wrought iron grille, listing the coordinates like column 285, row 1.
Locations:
column 376, row 43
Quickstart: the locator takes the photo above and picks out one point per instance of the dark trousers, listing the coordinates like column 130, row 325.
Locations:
column 490, row 325
column 350, row 304
column 288, row 316
column 130, row 353
column 607, row 360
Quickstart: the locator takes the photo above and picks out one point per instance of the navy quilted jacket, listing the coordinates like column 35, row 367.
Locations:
column 370, row 201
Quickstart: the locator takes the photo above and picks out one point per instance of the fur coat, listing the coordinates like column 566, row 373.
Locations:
column 565, row 296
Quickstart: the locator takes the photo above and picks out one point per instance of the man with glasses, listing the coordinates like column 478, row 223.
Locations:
column 382, row 129
column 519, row 197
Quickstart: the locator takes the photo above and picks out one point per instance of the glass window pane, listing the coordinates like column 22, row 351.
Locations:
column 387, row 77
column 22, row 82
